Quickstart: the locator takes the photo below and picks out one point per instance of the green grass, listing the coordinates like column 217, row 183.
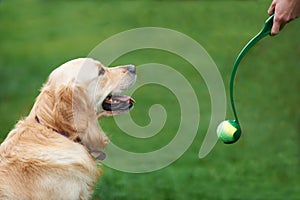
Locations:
column 37, row 36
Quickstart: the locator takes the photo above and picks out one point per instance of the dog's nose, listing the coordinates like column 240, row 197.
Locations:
column 131, row 68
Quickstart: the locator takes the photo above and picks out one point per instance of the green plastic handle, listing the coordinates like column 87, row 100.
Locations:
column 266, row 30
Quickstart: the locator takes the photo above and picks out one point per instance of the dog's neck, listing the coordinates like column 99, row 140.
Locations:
column 63, row 133
column 98, row 155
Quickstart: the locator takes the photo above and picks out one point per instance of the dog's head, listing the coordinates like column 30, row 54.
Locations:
column 78, row 93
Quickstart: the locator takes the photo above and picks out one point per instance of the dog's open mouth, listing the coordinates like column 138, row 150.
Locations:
column 117, row 103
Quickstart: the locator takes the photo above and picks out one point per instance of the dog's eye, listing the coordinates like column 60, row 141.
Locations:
column 101, row 71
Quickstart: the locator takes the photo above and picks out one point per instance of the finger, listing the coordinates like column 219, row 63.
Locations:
column 275, row 28
column 282, row 25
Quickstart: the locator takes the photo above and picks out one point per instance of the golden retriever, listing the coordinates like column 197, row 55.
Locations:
column 51, row 153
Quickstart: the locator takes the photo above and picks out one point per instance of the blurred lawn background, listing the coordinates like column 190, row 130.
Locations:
column 38, row 36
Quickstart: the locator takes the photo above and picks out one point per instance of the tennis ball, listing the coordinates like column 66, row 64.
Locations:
column 229, row 131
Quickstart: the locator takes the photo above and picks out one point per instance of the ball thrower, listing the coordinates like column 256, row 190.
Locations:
column 229, row 131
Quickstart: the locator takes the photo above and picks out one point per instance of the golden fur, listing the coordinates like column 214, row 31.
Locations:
column 36, row 160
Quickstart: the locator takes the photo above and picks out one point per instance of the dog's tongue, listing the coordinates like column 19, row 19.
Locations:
column 124, row 98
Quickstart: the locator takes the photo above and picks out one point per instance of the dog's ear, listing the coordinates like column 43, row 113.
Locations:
column 70, row 110
column 75, row 115
column 63, row 113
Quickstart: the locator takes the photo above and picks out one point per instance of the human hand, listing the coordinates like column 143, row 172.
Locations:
column 284, row 11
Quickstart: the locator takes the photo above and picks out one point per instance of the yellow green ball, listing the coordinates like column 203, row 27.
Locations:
column 229, row 131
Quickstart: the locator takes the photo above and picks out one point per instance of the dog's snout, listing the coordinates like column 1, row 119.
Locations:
column 131, row 68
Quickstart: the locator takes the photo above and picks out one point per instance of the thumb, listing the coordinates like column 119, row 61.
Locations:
column 271, row 8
